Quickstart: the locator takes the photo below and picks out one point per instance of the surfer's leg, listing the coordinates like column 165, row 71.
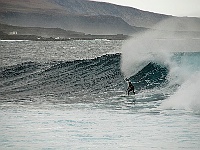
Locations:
column 133, row 92
column 129, row 91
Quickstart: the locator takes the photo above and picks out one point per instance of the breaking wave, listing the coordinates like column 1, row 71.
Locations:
column 90, row 79
column 78, row 77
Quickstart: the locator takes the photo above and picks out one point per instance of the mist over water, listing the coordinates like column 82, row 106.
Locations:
column 179, row 53
column 149, row 46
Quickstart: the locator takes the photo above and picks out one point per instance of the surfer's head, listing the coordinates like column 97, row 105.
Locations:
column 127, row 80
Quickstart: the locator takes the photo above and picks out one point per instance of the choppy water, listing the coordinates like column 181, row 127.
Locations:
column 71, row 95
column 16, row 52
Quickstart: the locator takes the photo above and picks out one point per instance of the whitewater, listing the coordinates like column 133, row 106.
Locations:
column 72, row 94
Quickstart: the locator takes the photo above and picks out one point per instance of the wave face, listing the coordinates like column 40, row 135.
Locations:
column 151, row 76
column 101, row 77
column 71, row 78
column 75, row 78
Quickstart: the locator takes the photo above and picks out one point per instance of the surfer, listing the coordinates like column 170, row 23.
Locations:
column 130, row 87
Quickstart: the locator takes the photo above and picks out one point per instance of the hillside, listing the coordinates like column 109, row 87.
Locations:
column 87, row 24
column 88, row 16
column 43, row 32
column 9, row 32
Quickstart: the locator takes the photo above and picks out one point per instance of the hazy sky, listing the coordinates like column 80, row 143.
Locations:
column 170, row 7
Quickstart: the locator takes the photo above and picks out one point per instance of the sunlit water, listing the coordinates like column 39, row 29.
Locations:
column 14, row 52
column 112, row 122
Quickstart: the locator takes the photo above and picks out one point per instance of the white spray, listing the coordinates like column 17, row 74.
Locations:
column 158, row 46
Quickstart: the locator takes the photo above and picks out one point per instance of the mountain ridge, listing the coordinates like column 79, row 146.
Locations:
column 89, row 17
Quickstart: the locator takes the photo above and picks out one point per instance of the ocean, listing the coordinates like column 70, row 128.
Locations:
column 72, row 95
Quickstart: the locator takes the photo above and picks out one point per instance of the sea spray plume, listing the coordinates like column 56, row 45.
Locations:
column 187, row 75
column 141, row 50
column 150, row 46
column 160, row 47
column 156, row 45
column 187, row 96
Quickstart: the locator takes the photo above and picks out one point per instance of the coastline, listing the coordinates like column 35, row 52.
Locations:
column 81, row 37
column 9, row 32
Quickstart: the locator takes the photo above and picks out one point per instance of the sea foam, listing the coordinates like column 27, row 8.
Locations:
column 154, row 46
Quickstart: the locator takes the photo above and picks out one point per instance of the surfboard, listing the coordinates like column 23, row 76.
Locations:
column 130, row 94
column 129, row 98
column 125, row 95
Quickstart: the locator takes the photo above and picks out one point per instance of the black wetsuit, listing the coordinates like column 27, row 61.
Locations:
column 130, row 88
